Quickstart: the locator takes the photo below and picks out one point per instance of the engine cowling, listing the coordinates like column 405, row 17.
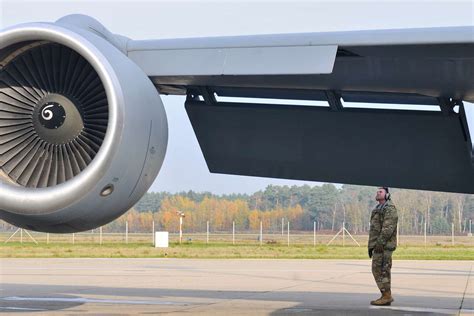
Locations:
column 83, row 131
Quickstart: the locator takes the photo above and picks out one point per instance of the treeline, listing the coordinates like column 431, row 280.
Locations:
column 327, row 205
column 221, row 214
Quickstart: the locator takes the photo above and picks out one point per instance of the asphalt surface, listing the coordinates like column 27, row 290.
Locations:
column 230, row 287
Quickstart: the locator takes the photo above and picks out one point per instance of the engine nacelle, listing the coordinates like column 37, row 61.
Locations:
column 83, row 131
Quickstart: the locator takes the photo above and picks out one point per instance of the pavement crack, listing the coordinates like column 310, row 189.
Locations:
column 465, row 290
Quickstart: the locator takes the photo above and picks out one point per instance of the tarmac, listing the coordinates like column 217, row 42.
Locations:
column 230, row 287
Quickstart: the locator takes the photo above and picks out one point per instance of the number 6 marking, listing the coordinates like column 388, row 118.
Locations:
column 47, row 114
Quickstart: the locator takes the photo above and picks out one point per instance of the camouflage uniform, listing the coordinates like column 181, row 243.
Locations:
column 383, row 231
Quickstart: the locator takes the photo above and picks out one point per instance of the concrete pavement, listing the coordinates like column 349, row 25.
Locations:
column 243, row 287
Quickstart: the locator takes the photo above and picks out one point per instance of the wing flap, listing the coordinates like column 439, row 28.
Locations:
column 409, row 149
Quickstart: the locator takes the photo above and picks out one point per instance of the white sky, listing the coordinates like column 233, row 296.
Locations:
column 184, row 167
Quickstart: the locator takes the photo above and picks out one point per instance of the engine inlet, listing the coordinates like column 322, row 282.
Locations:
column 53, row 115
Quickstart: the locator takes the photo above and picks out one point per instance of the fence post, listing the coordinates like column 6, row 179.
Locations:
column 261, row 233
column 288, row 233
column 233, row 232
column 73, row 238
column 153, row 232
column 47, row 238
column 314, row 234
column 452, row 234
column 282, row 224
column 425, row 234
column 207, row 235
column 343, row 233
column 21, row 235
column 126, row 232
column 180, row 228
column 470, row 227
column 100, row 235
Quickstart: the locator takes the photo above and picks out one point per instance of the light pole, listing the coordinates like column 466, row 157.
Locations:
column 181, row 215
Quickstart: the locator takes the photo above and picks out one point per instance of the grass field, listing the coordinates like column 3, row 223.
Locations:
column 217, row 250
column 247, row 245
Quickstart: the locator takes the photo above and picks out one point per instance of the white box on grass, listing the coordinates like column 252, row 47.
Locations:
column 161, row 240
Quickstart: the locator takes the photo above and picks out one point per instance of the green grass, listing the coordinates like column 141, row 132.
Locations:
column 224, row 251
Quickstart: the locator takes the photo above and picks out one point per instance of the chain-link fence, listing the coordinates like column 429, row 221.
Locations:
column 262, row 237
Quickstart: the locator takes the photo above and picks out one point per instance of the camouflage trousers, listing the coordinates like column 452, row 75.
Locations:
column 381, row 269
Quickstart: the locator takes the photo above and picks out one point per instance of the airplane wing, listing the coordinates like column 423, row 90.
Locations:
column 421, row 148
column 77, row 100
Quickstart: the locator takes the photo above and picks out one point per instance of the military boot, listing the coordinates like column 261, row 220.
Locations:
column 386, row 299
column 381, row 295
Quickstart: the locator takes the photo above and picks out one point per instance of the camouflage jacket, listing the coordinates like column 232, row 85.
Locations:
column 383, row 226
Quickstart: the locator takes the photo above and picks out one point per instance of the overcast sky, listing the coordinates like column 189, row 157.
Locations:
column 184, row 167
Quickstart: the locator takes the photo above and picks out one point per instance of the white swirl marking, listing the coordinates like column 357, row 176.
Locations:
column 47, row 114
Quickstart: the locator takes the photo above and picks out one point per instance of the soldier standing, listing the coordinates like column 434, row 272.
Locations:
column 382, row 243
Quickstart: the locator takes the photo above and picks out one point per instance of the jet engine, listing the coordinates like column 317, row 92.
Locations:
column 83, row 131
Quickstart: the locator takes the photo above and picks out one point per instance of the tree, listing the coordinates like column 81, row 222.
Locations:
column 440, row 225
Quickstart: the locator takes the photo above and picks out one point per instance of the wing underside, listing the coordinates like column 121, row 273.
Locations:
column 429, row 150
